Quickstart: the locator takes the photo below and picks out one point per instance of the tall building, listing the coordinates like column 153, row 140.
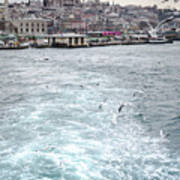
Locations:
column 6, row 11
column 60, row 3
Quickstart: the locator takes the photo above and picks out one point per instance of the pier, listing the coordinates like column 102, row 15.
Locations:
column 66, row 40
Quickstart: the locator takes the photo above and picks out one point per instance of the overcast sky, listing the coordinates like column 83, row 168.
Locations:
column 170, row 4
column 147, row 2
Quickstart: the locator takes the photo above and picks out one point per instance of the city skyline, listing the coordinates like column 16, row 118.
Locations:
column 159, row 3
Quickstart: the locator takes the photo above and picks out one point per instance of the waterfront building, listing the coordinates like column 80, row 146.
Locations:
column 73, row 24
column 70, row 40
column 31, row 26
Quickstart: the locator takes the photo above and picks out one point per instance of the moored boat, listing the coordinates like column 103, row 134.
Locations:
column 41, row 43
column 159, row 41
column 11, row 41
column 15, row 47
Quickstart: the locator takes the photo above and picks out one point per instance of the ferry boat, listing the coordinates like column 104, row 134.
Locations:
column 159, row 41
column 15, row 47
column 173, row 34
column 10, row 41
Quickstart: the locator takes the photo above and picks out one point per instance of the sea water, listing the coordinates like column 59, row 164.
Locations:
column 60, row 116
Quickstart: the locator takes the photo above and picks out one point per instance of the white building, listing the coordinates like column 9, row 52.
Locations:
column 31, row 26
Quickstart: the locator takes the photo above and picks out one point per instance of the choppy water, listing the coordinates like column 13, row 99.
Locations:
column 59, row 117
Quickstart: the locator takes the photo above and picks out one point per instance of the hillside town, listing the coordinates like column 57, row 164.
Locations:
column 52, row 18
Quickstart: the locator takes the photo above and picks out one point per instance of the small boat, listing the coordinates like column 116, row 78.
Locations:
column 41, row 43
column 159, row 41
column 178, row 35
column 2, row 43
column 17, row 47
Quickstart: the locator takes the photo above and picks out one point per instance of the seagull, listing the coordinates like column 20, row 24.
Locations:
column 163, row 134
column 60, row 164
column 102, row 103
column 46, row 58
column 115, row 119
column 120, row 108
